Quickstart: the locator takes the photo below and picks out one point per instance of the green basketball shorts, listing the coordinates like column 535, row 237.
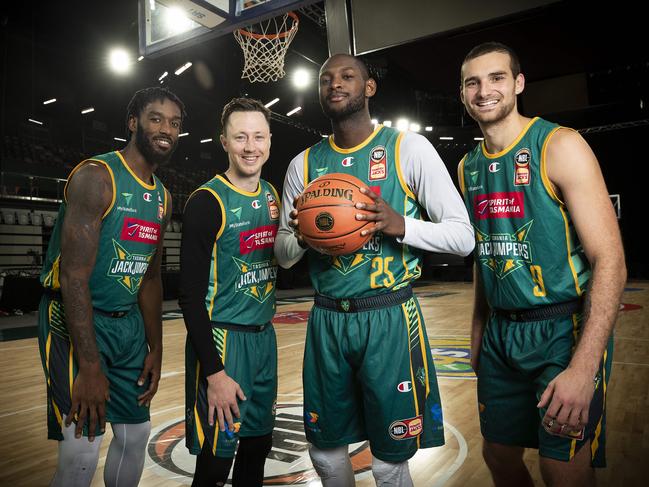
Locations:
column 250, row 359
column 122, row 349
column 517, row 362
column 369, row 375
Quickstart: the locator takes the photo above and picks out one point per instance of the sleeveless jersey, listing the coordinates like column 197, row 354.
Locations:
column 243, row 268
column 129, row 235
column 527, row 250
column 382, row 264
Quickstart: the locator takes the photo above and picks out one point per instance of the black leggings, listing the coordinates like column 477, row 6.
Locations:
column 248, row 471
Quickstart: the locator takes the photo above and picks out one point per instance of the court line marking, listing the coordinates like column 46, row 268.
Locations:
column 630, row 363
column 459, row 459
column 289, row 345
column 12, row 413
column 615, row 337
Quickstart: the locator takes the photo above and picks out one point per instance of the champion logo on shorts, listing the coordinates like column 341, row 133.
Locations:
column 404, row 429
column 405, row 386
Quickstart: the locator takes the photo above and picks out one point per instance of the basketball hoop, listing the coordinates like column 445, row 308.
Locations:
column 264, row 46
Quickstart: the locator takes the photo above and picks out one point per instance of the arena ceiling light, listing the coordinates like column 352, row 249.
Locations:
column 163, row 75
column 387, row 123
column 403, row 124
column 446, row 138
column 176, row 21
column 205, row 141
column 182, row 69
column 429, row 129
column 119, row 139
column 37, row 122
column 51, row 100
column 87, row 110
column 184, row 134
column 415, row 127
column 140, row 58
column 478, row 138
column 119, row 61
column 271, row 102
column 295, row 110
column 301, row 78
column 375, row 121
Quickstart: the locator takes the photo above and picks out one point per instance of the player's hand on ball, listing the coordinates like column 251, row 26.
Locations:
column 295, row 224
column 385, row 218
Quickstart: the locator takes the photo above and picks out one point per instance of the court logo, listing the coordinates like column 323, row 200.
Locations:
column 452, row 358
column 287, row 464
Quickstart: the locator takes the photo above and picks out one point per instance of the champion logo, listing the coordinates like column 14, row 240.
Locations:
column 405, row 386
column 256, row 204
column 147, row 197
column 348, row 161
column 494, row 167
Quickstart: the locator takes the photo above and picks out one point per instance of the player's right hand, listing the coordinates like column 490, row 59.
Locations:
column 90, row 391
column 295, row 224
column 222, row 394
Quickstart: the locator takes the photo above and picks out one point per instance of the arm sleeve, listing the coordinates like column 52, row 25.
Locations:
column 287, row 250
column 449, row 229
column 201, row 222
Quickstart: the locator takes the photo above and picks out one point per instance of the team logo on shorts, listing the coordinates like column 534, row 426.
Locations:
column 405, row 429
column 287, row 464
column 405, row 386
column 311, row 421
column 378, row 164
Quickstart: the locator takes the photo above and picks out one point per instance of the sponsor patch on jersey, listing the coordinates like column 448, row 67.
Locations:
column 522, row 161
column 257, row 238
column 404, row 429
column 405, row 386
column 348, row 161
column 273, row 207
column 499, row 205
column 378, row 164
column 142, row 231
column 147, row 197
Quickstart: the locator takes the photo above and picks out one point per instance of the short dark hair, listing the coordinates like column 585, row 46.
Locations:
column 492, row 46
column 145, row 96
column 243, row 105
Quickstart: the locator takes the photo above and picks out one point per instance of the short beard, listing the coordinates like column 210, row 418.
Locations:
column 151, row 156
column 354, row 106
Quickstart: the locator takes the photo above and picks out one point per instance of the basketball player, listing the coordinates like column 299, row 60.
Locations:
column 368, row 371
column 100, row 326
column 549, row 274
column 227, row 294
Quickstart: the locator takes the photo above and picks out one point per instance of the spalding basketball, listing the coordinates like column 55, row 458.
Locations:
column 327, row 216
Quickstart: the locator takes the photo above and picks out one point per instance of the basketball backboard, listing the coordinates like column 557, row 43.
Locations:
column 169, row 25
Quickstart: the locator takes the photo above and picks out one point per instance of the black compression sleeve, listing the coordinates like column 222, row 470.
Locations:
column 201, row 222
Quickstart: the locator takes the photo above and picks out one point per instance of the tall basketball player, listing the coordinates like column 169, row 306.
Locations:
column 100, row 325
column 227, row 293
column 549, row 274
column 366, row 334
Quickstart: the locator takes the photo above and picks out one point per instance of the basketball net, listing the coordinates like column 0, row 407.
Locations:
column 264, row 46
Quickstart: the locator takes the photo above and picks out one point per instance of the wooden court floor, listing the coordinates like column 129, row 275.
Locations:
column 28, row 459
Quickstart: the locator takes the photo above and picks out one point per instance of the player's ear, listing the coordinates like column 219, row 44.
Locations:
column 370, row 88
column 224, row 142
column 520, row 83
column 132, row 123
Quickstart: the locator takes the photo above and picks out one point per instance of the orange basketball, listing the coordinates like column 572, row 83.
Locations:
column 327, row 216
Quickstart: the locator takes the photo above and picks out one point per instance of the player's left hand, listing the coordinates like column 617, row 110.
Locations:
column 151, row 370
column 569, row 395
column 386, row 219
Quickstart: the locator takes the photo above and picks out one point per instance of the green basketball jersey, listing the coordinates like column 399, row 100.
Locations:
column 130, row 230
column 527, row 250
column 382, row 264
column 243, row 268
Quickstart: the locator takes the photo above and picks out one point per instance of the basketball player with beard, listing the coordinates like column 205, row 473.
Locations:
column 368, row 371
column 549, row 274
column 100, row 319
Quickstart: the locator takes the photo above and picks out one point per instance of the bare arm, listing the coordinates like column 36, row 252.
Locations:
column 575, row 174
column 88, row 195
column 479, row 318
column 150, row 301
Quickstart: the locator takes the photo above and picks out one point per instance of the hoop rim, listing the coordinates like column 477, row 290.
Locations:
column 279, row 35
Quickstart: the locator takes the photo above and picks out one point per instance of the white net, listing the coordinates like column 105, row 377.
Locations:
column 264, row 46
